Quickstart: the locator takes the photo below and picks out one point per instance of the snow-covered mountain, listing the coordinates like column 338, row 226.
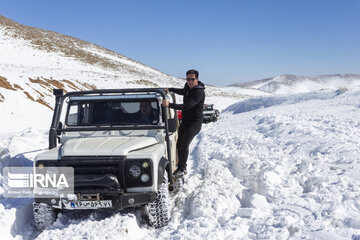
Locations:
column 34, row 61
column 288, row 84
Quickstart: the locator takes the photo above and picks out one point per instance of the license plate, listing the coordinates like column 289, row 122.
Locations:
column 87, row 204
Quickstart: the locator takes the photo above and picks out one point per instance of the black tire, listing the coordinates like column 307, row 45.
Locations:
column 44, row 215
column 159, row 211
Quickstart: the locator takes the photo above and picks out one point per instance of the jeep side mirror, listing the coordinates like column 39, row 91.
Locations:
column 60, row 126
column 172, row 125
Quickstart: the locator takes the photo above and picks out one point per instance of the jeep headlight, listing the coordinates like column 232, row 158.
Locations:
column 145, row 164
column 134, row 171
column 145, row 178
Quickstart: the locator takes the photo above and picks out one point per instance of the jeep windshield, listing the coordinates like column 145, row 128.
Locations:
column 109, row 110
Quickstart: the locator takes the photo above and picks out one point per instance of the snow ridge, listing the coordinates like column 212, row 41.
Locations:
column 290, row 84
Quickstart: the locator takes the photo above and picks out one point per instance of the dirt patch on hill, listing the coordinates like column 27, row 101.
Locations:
column 50, row 84
column 72, row 85
column 5, row 84
column 38, row 92
column 40, row 82
column 29, row 96
column 145, row 82
column 88, row 86
column 55, row 83
column 41, row 101
column 38, row 100
column 18, row 87
column 47, row 85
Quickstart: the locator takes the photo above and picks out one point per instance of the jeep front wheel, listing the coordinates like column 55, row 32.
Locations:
column 44, row 215
column 159, row 210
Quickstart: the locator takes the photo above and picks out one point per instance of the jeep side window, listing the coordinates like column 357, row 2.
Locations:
column 73, row 115
column 78, row 114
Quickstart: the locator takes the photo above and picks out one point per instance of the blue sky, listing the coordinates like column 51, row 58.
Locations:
column 227, row 41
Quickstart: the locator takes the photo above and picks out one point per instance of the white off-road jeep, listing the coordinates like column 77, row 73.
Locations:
column 121, row 155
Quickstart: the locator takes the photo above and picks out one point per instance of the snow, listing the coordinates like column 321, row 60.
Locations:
column 272, row 167
column 290, row 169
column 292, row 84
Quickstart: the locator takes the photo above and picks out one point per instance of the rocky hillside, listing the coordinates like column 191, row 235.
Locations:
column 34, row 61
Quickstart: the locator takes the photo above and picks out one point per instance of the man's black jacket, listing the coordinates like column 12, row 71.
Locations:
column 193, row 102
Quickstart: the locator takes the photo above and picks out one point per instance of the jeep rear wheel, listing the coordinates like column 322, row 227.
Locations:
column 44, row 215
column 159, row 210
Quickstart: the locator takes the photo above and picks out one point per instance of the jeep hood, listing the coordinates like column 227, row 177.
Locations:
column 105, row 146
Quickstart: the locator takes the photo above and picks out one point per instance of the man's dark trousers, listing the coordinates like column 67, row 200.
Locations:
column 187, row 131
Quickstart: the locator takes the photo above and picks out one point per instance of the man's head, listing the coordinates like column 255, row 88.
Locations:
column 145, row 108
column 192, row 78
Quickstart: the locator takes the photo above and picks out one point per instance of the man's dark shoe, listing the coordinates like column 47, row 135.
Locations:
column 179, row 180
column 179, row 173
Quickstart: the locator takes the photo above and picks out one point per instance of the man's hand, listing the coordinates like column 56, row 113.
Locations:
column 165, row 103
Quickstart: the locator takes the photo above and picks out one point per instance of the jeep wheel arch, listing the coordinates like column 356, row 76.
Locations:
column 163, row 166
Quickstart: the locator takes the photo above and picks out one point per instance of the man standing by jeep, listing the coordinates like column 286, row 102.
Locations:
column 192, row 115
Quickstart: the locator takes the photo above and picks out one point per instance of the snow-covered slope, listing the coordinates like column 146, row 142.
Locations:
column 64, row 57
column 288, row 167
column 287, row 84
column 34, row 61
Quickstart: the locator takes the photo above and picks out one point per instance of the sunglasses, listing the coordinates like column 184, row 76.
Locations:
column 190, row 79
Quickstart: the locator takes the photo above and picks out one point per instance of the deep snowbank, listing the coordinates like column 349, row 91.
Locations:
column 290, row 169
column 269, row 101
column 301, row 154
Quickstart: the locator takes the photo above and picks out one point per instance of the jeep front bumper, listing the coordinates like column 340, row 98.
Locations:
column 119, row 201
